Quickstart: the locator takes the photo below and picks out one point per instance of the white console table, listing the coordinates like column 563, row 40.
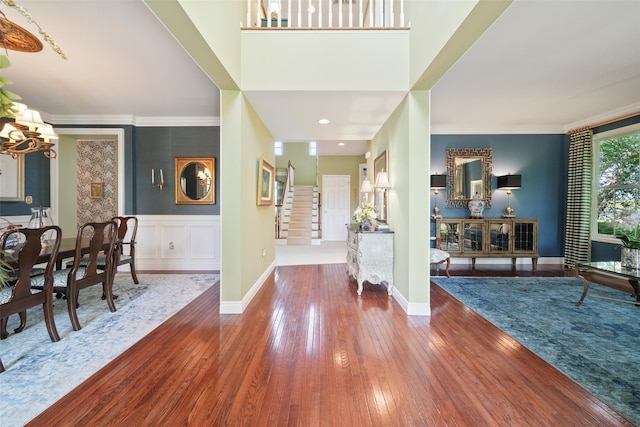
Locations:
column 370, row 257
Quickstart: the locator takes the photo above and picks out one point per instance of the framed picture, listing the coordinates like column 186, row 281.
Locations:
column 266, row 175
column 97, row 190
column 11, row 178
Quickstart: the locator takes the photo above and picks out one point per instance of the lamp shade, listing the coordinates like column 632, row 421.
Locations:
column 382, row 180
column 509, row 182
column 438, row 181
column 366, row 186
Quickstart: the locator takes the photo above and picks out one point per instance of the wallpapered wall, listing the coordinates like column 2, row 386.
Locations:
column 97, row 162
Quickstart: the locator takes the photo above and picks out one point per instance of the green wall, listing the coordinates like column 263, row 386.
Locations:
column 305, row 165
column 342, row 165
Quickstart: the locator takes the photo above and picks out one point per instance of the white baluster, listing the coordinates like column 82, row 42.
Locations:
column 392, row 19
column 299, row 13
column 402, row 13
column 279, row 14
column 289, row 13
column 248, row 13
column 330, row 13
column 371, row 4
column 309, row 14
column 360, row 18
column 320, row 13
column 350, row 13
column 340, row 13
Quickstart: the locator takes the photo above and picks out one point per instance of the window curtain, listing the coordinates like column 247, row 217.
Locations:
column 577, row 246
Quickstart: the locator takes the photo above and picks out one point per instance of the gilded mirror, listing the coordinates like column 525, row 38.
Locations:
column 380, row 164
column 195, row 180
column 469, row 172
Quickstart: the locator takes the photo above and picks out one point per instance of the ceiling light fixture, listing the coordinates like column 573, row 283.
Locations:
column 27, row 134
column 323, row 121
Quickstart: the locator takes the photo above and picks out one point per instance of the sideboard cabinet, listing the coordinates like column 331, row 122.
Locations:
column 489, row 238
column 370, row 257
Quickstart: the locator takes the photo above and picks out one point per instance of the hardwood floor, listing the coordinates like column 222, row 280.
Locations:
column 308, row 351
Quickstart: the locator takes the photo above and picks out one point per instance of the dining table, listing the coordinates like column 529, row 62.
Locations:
column 67, row 250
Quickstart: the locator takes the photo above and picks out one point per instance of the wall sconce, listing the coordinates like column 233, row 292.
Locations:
column 153, row 179
column 382, row 184
column 438, row 182
column 366, row 188
column 509, row 182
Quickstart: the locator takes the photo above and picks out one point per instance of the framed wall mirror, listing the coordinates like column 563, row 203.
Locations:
column 469, row 172
column 380, row 164
column 195, row 180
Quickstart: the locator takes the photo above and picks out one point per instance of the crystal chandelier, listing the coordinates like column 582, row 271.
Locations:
column 27, row 134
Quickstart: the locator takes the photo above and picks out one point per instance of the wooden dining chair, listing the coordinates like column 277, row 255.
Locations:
column 19, row 295
column 101, row 238
column 125, row 246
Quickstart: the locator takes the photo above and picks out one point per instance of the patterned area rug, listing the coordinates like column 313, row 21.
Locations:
column 596, row 344
column 39, row 372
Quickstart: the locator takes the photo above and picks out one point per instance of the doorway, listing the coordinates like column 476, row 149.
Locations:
column 64, row 175
column 336, row 208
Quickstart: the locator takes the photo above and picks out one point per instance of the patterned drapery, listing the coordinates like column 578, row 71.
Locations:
column 577, row 243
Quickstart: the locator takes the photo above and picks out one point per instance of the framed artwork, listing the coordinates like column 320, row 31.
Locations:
column 11, row 178
column 266, row 176
column 195, row 180
column 97, row 190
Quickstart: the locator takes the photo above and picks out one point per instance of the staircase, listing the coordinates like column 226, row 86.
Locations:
column 300, row 220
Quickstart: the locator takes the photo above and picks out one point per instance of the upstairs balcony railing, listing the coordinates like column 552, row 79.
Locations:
column 325, row 14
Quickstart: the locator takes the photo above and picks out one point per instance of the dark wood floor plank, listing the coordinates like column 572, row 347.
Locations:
column 309, row 351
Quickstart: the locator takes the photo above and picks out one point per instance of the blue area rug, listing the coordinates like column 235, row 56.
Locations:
column 596, row 344
column 39, row 372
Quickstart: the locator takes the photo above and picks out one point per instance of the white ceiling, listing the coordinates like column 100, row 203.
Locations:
column 543, row 67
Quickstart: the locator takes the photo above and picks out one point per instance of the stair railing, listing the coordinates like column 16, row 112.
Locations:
column 288, row 183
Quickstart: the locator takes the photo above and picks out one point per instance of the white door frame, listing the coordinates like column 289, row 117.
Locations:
column 55, row 170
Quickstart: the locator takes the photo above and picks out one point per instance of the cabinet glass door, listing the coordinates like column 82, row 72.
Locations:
column 499, row 236
column 524, row 236
column 449, row 233
column 473, row 237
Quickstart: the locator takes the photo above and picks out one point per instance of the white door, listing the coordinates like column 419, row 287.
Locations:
column 336, row 209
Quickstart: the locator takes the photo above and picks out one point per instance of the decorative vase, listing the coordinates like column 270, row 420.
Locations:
column 40, row 217
column 630, row 258
column 365, row 225
column 476, row 207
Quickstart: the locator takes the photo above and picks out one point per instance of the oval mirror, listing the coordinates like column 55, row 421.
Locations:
column 195, row 180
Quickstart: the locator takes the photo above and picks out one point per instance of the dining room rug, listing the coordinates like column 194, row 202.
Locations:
column 596, row 344
column 39, row 372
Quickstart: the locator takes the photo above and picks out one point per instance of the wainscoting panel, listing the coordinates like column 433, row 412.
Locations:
column 178, row 242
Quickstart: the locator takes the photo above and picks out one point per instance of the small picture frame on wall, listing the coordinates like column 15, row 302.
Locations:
column 266, row 176
column 97, row 190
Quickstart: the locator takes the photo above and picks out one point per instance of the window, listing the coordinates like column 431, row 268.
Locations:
column 277, row 148
column 313, row 150
column 616, row 189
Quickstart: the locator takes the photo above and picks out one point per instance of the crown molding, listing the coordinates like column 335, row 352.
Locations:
column 123, row 120
column 611, row 115
column 512, row 130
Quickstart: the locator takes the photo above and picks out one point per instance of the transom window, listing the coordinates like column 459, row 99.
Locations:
column 616, row 187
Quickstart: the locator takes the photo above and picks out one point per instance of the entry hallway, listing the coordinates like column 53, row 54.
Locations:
column 308, row 351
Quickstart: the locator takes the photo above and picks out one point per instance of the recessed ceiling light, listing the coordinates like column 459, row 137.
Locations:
column 341, row 144
column 323, row 121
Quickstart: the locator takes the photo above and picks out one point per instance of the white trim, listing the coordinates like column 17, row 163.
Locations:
column 123, row 120
column 411, row 308
column 238, row 307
